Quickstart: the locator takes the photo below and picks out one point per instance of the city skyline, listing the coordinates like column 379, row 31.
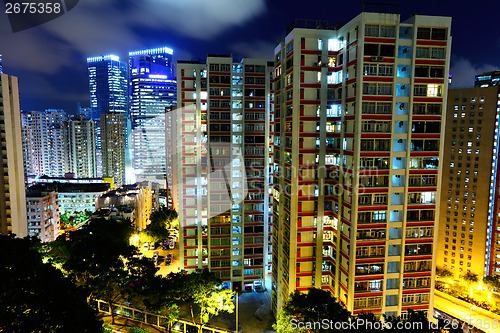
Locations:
column 50, row 59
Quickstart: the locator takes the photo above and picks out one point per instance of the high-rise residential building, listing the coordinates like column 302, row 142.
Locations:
column 1, row 68
column 358, row 112
column 108, row 92
column 113, row 146
column 12, row 189
column 221, row 154
column 43, row 146
column 487, row 79
column 468, row 190
column 43, row 215
column 80, row 140
column 152, row 90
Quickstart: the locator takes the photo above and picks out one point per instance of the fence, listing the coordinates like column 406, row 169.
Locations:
column 152, row 318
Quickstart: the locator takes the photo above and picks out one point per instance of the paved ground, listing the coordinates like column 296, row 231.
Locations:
column 174, row 266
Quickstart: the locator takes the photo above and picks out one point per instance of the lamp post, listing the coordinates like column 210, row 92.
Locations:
column 236, row 311
column 472, row 307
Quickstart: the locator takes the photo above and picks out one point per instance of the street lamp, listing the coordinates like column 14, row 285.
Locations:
column 237, row 294
column 472, row 307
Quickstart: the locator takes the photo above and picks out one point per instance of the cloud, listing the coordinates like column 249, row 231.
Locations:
column 254, row 49
column 199, row 19
column 464, row 71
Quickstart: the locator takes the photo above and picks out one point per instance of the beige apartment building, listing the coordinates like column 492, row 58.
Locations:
column 12, row 189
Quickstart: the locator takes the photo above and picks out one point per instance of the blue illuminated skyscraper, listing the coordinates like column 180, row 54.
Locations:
column 152, row 89
column 108, row 92
column 108, row 85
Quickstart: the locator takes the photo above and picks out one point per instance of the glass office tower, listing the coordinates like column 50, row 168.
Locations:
column 108, row 92
column 152, row 90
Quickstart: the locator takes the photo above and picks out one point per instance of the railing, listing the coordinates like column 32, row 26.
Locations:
column 151, row 318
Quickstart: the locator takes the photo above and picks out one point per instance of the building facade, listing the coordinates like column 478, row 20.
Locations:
column 79, row 136
column 43, row 215
column 129, row 201
column 74, row 197
column 43, row 145
column 152, row 90
column 12, row 189
column 467, row 183
column 358, row 112
column 113, row 146
column 108, row 93
column 487, row 79
column 222, row 167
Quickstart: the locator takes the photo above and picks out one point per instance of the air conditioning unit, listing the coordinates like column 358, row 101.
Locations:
column 374, row 58
column 380, row 58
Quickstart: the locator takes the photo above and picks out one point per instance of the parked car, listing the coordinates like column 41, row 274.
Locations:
column 152, row 246
column 145, row 247
column 164, row 246
column 168, row 261
column 171, row 245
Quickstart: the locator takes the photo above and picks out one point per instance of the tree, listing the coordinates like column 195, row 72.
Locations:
column 99, row 258
column 492, row 281
column 202, row 289
column 470, row 278
column 314, row 306
column 36, row 297
column 161, row 220
column 443, row 273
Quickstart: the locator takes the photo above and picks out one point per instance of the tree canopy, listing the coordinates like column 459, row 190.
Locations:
column 161, row 220
column 36, row 297
column 302, row 310
column 100, row 259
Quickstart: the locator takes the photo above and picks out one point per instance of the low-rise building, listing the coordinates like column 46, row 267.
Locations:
column 75, row 196
column 129, row 201
column 42, row 209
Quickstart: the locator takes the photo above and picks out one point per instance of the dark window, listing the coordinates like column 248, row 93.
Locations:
column 371, row 49
column 424, row 33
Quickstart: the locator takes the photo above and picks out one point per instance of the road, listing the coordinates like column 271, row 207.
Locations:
column 457, row 310
column 165, row 270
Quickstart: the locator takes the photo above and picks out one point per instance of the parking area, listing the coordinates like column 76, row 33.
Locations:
column 162, row 255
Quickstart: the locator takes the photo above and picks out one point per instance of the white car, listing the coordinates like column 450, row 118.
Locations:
column 145, row 247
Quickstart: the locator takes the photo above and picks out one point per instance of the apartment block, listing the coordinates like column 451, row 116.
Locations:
column 469, row 172
column 223, row 135
column 79, row 136
column 43, row 215
column 12, row 189
column 113, row 146
column 358, row 113
column 43, row 145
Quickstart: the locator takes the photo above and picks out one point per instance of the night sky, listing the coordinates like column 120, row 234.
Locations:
column 50, row 60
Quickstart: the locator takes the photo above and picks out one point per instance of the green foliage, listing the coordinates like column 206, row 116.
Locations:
column 36, row 297
column 73, row 218
column 318, row 305
column 137, row 329
column 203, row 289
column 492, row 281
column 161, row 220
column 100, row 259
column 470, row 277
column 443, row 272
column 314, row 306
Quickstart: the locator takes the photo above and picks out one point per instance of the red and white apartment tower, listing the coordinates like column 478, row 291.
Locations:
column 357, row 160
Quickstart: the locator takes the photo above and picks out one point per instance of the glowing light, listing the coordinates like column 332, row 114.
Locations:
column 104, row 58
column 152, row 51
column 158, row 76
